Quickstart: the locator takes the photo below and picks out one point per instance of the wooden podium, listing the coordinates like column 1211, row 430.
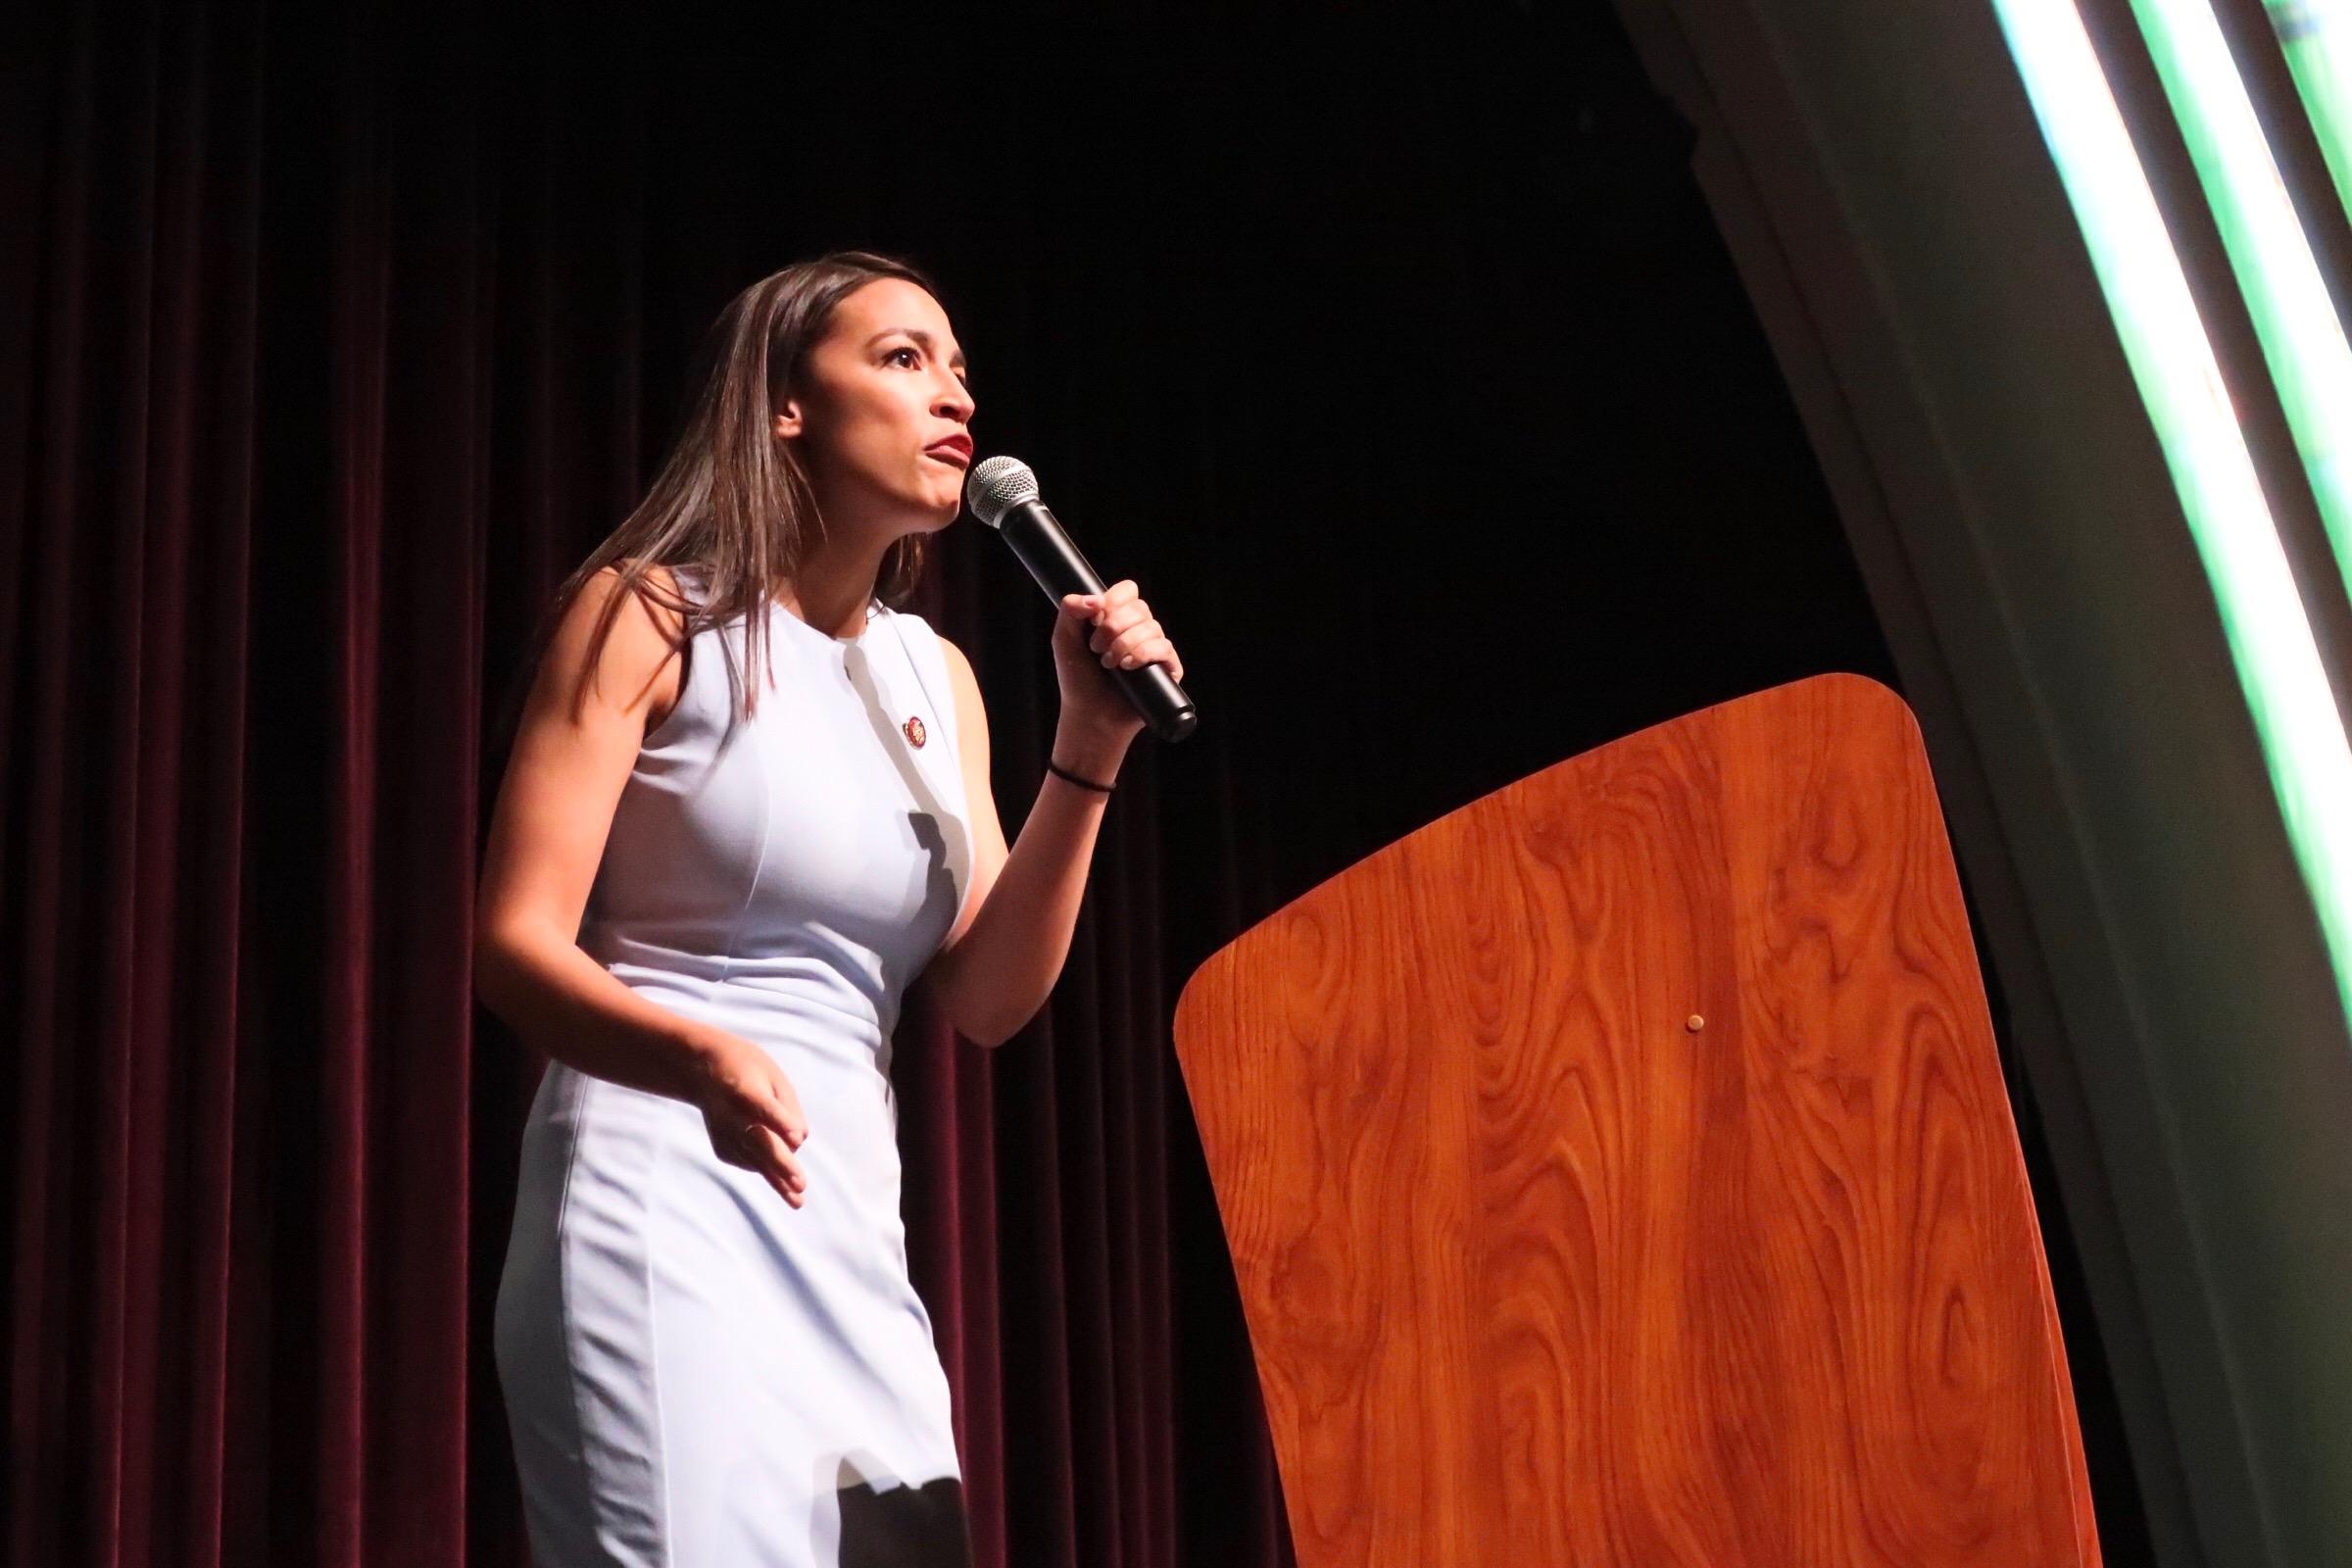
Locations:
column 1618, row 1172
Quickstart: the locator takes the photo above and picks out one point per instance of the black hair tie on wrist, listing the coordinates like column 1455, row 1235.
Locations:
column 1055, row 768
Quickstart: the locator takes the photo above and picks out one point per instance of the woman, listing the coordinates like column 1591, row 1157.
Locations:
column 747, row 805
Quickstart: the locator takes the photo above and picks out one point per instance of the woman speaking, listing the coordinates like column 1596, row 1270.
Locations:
column 747, row 805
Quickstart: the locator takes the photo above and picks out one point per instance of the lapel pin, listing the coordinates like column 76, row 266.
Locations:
column 914, row 731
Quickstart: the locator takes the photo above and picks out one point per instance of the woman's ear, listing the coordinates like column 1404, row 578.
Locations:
column 787, row 421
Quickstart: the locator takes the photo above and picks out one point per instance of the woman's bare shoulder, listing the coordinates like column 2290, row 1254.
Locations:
column 638, row 663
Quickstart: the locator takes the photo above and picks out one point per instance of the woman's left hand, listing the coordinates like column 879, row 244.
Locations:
column 1096, row 633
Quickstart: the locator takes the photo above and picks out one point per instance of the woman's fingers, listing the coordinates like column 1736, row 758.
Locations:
column 779, row 1166
column 1120, row 630
column 1145, row 643
column 784, row 1114
column 782, row 1129
column 1108, row 633
column 1134, row 644
column 775, row 1155
column 1119, row 605
column 1109, row 625
column 779, row 1130
column 1126, row 635
column 755, row 1119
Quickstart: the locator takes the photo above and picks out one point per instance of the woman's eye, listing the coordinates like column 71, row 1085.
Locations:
column 890, row 357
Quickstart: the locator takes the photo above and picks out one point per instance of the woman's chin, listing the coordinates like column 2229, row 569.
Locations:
column 926, row 510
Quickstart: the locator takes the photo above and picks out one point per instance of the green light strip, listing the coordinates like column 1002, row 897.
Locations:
column 2316, row 36
column 2301, row 338
column 2303, row 741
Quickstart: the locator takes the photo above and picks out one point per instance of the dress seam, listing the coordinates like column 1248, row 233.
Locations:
column 564, row 1313
column 751, row 889
column 653, row 1334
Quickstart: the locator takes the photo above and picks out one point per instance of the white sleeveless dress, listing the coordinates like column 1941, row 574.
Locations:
column 694, row 1372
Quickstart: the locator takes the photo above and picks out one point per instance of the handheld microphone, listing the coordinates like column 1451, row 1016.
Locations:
column 1001, row 492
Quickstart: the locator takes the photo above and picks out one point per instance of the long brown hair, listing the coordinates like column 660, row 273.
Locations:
column 730, row 500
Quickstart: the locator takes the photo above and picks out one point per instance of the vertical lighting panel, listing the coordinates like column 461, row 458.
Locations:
column 2302, row 341
column 2303, row 741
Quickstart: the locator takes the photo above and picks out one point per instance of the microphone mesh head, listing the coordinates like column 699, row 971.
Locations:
column 998, row 485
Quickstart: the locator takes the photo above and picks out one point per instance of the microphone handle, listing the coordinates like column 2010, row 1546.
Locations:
column 1038, row 538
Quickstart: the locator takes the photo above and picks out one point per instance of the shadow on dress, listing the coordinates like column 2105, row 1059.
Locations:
column 944, row 837
column 901, row 1526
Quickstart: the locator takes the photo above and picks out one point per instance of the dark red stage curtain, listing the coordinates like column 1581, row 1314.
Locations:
column 333, row 337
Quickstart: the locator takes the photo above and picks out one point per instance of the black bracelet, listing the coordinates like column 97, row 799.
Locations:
column 1054, row 767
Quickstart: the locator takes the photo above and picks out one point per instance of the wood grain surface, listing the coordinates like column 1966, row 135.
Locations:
column 1618, row 1171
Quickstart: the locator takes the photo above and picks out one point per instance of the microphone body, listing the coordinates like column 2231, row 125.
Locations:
column 1036, row 536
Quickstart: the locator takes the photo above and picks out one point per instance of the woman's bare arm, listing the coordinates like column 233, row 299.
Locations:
column 547, row 836
column 1006, row 951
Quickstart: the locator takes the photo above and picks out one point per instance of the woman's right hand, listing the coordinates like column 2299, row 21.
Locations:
column 752, row 1115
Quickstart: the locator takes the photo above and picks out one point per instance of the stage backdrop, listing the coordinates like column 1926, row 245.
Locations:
column 1399, row 362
